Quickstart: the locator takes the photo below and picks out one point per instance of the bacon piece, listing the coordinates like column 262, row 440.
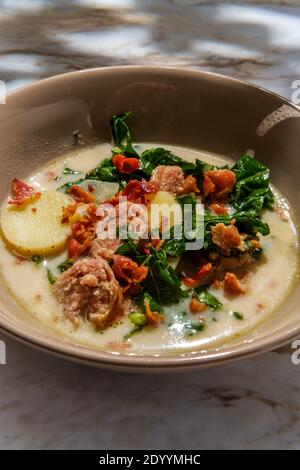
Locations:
column 232, row 285
column 124, row 164
column 219, row 209
column 218, row 183
column 68, row 212
column 81, row 195
column 83, row 232
column 203, row 275
column 196, row 306
column 136, row 191
column 152, row 317
column 22, row 192
column 127, row 270
column 189, row 185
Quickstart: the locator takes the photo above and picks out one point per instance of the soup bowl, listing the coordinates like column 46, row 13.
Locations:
column 186, row 108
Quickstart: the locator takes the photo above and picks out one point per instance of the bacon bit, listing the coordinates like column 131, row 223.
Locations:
column 189, row 185
column 124, row 164
column 196, row 306
column 83, row 232
column 260, row 306
column 226, row 237
column 38, row 297
column 81, row 195
column 136, row 191
column 91, row 188
column 156, row 243
column 73, row 248
column 152, row 317
column 219, row 209
column 68, row 212
column 255, row 244
column 204, row 272
column 34, row 209
column 232, row 285
column 49, row 175
column 217, row 284
column 22, row 192
column 127, row 270
column 218, row 183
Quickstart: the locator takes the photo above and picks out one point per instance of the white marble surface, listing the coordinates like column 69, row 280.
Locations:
column 46, row 402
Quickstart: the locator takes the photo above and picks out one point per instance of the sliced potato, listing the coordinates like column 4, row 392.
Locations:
column 102, row 190
column 35, row 228
column 164, row 204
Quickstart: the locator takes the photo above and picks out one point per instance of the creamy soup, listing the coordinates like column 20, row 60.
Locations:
column 267, row 286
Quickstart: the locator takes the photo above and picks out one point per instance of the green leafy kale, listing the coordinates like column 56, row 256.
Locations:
column 65, row 265
column 121, row 135
column 238, row 315
column 50, row 276
column 207, row 298
column 252, row 190
column 36, row 259
column 161, row 282
column 192, row 328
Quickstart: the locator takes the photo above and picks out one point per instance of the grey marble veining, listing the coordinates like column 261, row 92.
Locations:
column 46, row 402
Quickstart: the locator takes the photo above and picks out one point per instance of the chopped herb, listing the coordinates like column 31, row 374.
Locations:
column 51, row 277
column 207, row 298
column 138, row 319
column 193, row 328
column 136, row 329
column 65, row 265
column 238, row 315
column 68, row 171
column 36, row 259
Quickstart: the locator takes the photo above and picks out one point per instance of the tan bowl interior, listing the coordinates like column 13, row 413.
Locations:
column 180, row 107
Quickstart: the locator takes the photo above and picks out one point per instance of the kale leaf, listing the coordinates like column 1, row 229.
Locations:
column 207, row 298
column 121, row 135
column 252, row 190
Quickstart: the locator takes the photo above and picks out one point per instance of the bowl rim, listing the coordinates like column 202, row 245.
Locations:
column 148, row 363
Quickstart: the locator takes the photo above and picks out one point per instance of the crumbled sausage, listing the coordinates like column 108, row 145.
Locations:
column 232, row 285
column 227, row 237
column 104, row 248
column 88, row 289
column 218, row 183
column 168, row 178
column 239, row 265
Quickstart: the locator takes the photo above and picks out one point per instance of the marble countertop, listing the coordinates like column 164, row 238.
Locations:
column 48, row 403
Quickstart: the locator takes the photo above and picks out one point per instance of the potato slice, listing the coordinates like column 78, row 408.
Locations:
column 35, row 228
column 164, row 204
